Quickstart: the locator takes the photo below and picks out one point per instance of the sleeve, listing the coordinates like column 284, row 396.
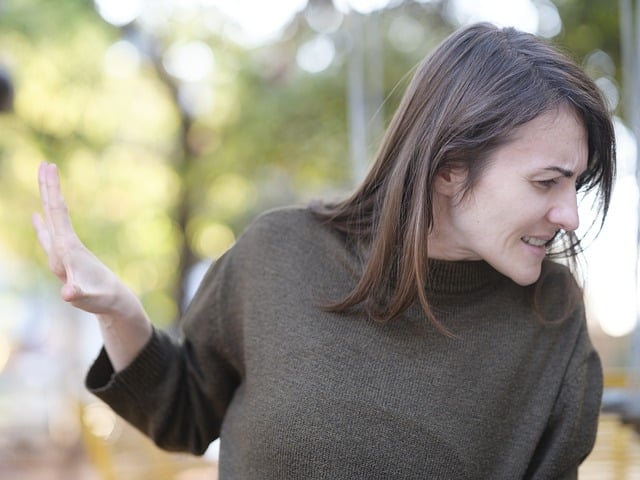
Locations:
column 571, row 430
column 177, row 392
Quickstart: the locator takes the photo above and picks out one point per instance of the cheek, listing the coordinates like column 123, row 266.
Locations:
column 492, row 212
column 500, row 226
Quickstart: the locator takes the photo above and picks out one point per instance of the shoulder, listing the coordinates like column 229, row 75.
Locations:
column 284, row 224
column 266, row 246
column 284, row 218
column 289, row 231
column 557, row 294
column 559, row 277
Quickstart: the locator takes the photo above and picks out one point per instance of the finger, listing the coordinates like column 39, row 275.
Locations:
column 42, row 232
column 69, row 292
column 58, row 212
column 55, row 264
column 52, row 229
column 44, row 196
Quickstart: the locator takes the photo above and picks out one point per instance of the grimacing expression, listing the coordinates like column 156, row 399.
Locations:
column 526, row 194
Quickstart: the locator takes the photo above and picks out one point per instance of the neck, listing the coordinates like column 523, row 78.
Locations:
column 442, row 237
column 454, row 277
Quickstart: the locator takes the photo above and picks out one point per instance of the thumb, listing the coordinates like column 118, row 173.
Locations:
column 70, row 292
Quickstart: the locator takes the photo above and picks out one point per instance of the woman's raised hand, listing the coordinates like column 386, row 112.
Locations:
column 87, row 283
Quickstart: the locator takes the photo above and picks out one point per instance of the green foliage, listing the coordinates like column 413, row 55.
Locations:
column 590, row 25
column 110, row 137
column 152, row 189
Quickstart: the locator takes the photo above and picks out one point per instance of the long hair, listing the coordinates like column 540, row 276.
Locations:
column 464, row 101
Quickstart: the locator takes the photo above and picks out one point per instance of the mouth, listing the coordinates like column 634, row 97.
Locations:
column 536, row 241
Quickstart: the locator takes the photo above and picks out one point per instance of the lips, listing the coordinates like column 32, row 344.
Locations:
column 536, row 241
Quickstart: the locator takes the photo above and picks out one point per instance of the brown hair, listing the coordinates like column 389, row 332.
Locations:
column 464, row 101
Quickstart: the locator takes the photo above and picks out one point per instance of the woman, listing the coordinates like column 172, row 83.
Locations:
column 416, row 329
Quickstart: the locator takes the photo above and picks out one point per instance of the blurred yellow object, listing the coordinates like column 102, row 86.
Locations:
column 616, row 378
column 119, row 452
column 616, row 455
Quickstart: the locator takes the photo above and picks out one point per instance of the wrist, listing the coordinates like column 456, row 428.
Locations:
column 123, row 305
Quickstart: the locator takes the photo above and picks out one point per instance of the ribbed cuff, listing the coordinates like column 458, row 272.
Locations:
column 137, row 378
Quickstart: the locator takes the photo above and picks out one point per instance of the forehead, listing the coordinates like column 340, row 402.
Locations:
column 555, row 138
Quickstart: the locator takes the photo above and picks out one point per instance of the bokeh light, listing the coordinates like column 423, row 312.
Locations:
column 406, row 34
column 316, row 55
column 119, row 12
column 191, row 61
column 122, row 59
column 363, row 6
column 540, row 17
column 323, row 17
column 611, row 271
column 251, row 23
column 100, row 419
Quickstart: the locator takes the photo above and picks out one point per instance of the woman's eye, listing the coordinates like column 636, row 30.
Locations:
column 547, row 183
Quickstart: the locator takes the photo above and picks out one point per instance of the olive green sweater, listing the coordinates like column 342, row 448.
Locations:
column 295, row 392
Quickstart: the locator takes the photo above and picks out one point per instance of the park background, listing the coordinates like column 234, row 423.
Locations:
column 174, row 122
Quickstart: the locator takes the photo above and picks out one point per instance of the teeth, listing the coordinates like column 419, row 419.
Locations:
column 536, row 242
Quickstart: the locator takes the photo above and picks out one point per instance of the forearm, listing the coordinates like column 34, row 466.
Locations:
column 87, row 283
column 125, row 330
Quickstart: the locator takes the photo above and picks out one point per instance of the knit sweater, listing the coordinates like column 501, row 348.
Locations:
column 295, row 392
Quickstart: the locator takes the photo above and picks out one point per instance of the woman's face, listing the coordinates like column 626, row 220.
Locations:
column 526, row 193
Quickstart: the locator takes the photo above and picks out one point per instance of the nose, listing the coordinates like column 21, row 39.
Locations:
column 564, row 211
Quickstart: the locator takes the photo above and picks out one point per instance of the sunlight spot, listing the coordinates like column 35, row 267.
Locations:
column 610, row 91
column 599, row 62
column 323, row 17
column 610, row 289
column 99, row 419
column 257, row 22
column 550, row 23
column 316, row 55
column 189, row 61
column 118, row 12
column 521, row 14
column 362, row 6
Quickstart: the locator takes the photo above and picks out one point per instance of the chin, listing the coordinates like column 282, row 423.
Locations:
column 523, row 272
column 526, row 278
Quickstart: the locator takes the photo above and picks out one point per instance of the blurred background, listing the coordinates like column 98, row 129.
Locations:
column 174, row 122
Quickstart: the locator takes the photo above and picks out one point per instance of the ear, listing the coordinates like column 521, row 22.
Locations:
column 449, row 181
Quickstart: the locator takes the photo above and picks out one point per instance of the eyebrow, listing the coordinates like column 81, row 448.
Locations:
column 563, row 171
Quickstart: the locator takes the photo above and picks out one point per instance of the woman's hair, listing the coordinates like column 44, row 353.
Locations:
column 464, row 101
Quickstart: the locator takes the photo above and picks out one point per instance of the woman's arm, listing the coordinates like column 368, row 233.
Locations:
column 570, row 433
column 87, row 283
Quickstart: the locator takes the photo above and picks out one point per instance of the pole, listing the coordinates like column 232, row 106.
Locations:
column 364, row 89
column 628, row 406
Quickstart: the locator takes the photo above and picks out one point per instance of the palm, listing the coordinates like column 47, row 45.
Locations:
column 86, row 281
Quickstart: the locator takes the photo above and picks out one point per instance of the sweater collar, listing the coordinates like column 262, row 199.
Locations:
column 461, row 276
